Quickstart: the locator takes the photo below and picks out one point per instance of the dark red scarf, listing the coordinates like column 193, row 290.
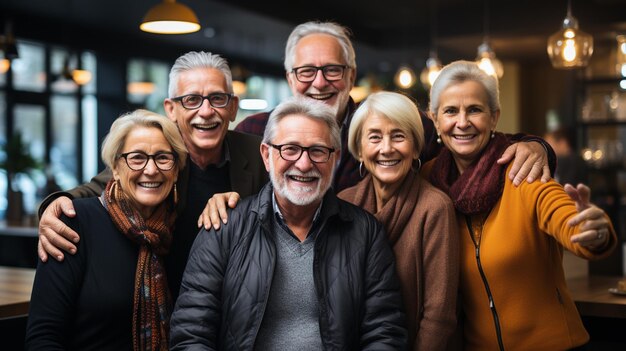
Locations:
column 480, row 186
column 152, row 301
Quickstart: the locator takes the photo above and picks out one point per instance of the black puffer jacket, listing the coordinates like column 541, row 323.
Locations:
column 229, row 273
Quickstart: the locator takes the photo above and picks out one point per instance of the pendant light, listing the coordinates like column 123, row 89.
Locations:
column 621, row 55
column 405, row 77
column 486, row 57
column 170, row 17
column 431, row 71
column 570, row 47
column 8, row 47
column 78, row 76
column 433, row 65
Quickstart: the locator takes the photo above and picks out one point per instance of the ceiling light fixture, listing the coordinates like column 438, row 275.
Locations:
column 621, row 55
column 486, row 58
column 570, row 47
column 78, row 76
column 405, row 77
column 431, row 71
column 9, row 47
column 5, row 64
column 170, row 17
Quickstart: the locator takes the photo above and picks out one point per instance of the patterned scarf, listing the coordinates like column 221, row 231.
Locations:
column 480, row 186
column 152, row 300
column 395, row 214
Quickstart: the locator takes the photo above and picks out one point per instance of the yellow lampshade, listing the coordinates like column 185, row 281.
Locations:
column 140, row 88
column 239, row 87
column 81, row 76
column 570, row 47
column 170, row 17
column 4, row 65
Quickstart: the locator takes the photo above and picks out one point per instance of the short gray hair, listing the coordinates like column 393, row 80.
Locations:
column 123, row 125
column 307, row 107
column 459, row 72
column 341, row 33
column 198, row 59
column 398, row 108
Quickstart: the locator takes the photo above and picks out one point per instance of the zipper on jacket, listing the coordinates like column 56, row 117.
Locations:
column 267, row 291
column 492, row 305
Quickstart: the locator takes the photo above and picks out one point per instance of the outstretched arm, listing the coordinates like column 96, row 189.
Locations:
column 595, row 231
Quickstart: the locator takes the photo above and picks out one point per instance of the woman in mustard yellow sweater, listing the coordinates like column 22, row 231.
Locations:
column 514, row 295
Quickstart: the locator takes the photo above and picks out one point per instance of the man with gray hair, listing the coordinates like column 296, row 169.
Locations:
column 320, row 65
column 201, row 102
column 295, row 268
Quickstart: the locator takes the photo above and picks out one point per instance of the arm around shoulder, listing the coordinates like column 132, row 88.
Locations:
column 93, row 188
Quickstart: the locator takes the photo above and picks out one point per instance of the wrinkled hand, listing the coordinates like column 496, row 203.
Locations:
column 595, row 228
column 54, row 235
column 529, row 161
column 215, row 210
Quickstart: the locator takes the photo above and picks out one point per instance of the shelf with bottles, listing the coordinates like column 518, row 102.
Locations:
column 604, row 103
column 604, row 154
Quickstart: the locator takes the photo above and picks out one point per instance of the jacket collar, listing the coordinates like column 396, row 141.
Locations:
column 331, row 206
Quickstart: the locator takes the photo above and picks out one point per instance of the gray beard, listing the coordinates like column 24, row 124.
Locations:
column 294, row 198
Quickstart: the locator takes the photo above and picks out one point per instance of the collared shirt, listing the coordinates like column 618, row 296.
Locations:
column 281, row 220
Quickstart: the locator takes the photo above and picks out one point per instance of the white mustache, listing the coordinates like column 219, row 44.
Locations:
column 200, row 120
column 311, row 173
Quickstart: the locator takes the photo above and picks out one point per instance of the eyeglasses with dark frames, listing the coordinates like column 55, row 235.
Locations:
column 292, row 152
column 138, row 160
column 194, row 101
column 331, row 73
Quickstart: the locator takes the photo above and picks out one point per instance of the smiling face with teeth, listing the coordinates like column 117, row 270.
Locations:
column 202, row 129
column 464, row 121
column 320, row 50
column 387, row 152
column 301, row 182
column 146, row 188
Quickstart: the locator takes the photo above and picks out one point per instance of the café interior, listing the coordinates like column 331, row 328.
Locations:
column 68, row 68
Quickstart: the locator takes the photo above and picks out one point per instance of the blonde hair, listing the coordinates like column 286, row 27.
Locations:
column 398, row 108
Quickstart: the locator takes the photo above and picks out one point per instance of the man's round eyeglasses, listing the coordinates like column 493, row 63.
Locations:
column 138, row 160
column 306, row 74
column 292, row 152
column 194, row 101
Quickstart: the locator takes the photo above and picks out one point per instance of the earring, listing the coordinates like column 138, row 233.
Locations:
column 493, row 134
column 113, row 191
column 438, row 138
column 419, row 165
column 361, row 173
column 175, row 195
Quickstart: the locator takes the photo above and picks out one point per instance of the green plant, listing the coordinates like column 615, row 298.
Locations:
column 16, row 158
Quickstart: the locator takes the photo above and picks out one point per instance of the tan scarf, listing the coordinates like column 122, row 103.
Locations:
column 152, row 300
column 395, row 214
column 480, row 186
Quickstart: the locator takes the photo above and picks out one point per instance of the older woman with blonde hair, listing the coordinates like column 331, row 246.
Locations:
column 113, row 293
column 514, row 295
column 386, row 137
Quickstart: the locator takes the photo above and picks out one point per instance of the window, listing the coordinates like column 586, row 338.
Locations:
column 55, row 117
